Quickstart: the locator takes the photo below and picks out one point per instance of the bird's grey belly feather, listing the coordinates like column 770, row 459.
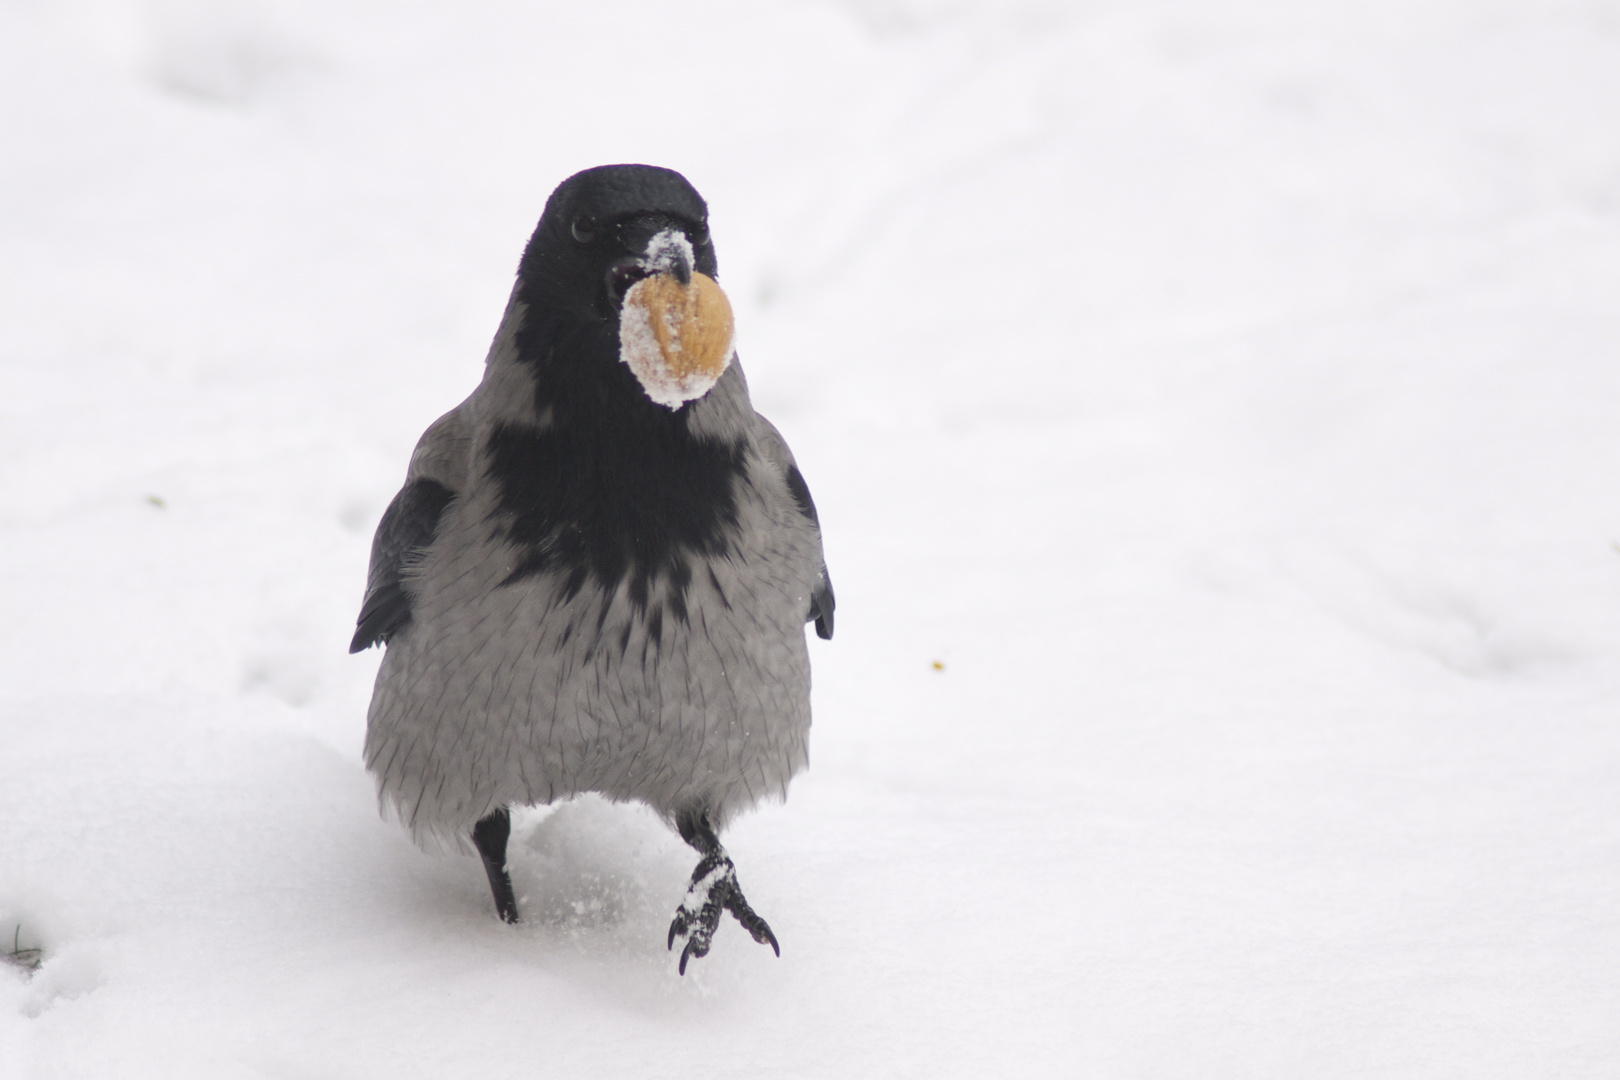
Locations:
column 513, row 693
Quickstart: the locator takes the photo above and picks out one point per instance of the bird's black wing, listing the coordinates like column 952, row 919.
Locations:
column 822, row 601
column 406, row 530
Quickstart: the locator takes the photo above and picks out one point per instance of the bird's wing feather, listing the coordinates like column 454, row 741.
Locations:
column 822, row 601
column 407, row 529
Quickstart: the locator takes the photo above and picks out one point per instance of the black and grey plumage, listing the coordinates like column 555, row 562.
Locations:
column 584, row 590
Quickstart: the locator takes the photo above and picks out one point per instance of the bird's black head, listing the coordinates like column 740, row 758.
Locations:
column 606, row 228
column 611, row 485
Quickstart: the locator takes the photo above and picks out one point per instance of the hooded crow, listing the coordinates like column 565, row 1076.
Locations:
column 598, row 572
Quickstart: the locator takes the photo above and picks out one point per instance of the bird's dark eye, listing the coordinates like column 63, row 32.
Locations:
column 699, row 234
column 584, row 230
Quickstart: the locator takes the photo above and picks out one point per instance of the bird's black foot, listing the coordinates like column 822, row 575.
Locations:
column 489, row 837
column 714, row 889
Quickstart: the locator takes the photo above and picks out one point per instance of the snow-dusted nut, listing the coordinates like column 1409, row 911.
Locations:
column 676, row 338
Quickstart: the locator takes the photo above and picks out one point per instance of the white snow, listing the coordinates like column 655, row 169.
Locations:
column 663, row 249
column 1225, row 393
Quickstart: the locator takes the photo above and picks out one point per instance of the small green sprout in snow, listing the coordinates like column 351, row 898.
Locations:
column 157, row 501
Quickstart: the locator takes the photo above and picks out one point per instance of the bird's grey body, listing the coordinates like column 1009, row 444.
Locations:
column 598, row 573
column 497, row 694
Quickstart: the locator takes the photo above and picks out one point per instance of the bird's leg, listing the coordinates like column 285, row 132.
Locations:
column 490, row 836
column 714, row 889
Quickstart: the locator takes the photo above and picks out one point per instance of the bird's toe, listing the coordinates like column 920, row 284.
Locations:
column 738, row 905
column 714, row 890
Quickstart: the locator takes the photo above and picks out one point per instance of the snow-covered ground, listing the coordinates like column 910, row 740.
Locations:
column 1226, row 395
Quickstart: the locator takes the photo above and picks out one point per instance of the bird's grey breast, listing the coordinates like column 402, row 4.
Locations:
column 608, row 621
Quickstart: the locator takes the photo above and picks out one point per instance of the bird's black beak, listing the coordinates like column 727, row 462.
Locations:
column 681, row 266
column 666, row 251
column 669, row 251
column 621, row 276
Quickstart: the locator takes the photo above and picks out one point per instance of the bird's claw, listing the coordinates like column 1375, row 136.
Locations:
column 751, row 922
column 714, row 889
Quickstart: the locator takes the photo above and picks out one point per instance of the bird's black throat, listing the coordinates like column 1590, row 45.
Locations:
column 607, row 486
